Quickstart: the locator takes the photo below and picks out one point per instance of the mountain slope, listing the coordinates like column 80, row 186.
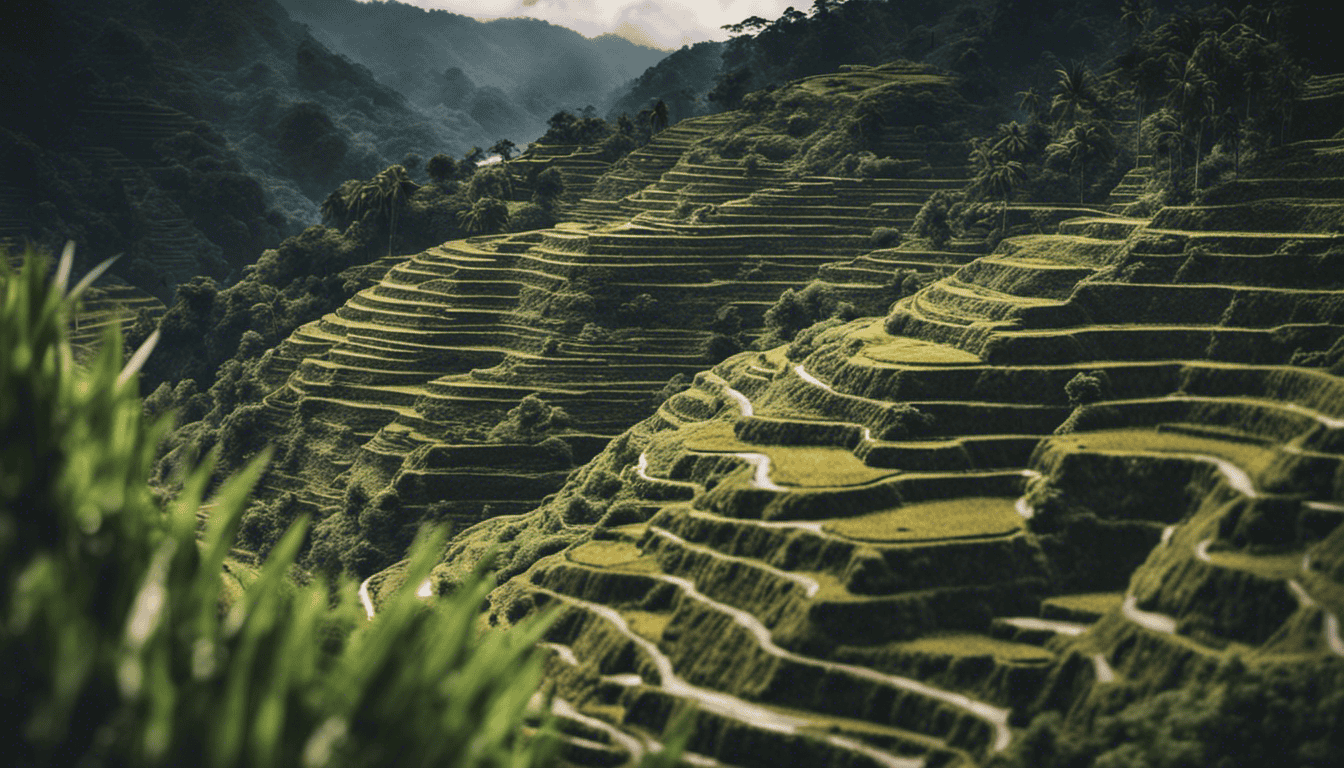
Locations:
column 1093, row 477
column 670, row 263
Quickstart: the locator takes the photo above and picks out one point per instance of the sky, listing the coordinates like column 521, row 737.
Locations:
column 667, row 24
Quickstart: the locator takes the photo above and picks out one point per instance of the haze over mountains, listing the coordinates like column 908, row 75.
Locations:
column 221, row 127
column 497, row 79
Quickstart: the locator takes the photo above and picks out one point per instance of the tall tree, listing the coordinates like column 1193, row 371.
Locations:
column 504, row 148
column 659, row 118
column 441, row 168
column 384, row 196
column 1192, row 99
column 1012, row 139
column 1032, row 103
column 1075, row 94
column 548, row 187
column 1081, row 144
column 1135, row 15
column 1000, row 177
column 485, row 216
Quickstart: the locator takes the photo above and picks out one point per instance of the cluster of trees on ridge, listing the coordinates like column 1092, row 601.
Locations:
column 1196, row 96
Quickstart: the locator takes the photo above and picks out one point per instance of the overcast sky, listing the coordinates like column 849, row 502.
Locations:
column 660, row 23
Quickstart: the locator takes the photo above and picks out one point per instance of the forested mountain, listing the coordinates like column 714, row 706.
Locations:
column 192, row 135
column 490, row 80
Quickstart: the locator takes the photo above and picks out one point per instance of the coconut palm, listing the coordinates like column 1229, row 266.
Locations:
column 1135, row 15
column 1032, row 103
column 384, row 195
column 486, row 215
column 1081, row 144
column 1192, row 98
column 1012, row 140
column 336, row 208
column 1167, row 137
column 1000, row 177
column 1076, row 95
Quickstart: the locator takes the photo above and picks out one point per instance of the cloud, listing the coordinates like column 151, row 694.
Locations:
column 664, row 23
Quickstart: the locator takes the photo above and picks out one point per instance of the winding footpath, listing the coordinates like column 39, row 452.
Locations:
column 723, row 704
column 810, row 585
column 997, row 717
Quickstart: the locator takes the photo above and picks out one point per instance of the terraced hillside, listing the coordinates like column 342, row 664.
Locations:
column 1081, row 470
column 595, row 316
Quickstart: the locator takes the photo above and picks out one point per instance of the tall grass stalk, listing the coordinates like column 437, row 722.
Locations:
column 119, row 645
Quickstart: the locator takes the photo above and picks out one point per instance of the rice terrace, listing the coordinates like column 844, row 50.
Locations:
column 896, row 385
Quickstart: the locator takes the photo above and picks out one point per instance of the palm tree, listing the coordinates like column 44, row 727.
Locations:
column 336, row 208
column 1000, row 177
column 1192, row 97
column 1077, row 94
column 486, row 215
column 1167, row 137
column 1080, row 144
column 1135, row 15
column 384, row 195
column 658, row 119
column 1032, row 103
column 1013, row 139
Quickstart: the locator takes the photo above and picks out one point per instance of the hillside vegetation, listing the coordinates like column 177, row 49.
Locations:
column 192, row 136
column 940, row 402
column 1077, row 502
column 675, row 258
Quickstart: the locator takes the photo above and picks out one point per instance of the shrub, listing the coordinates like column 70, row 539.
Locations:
column 641, row 309
column 1087, row 388
column 719, row 347
column 621, row 513
column 752, row 162
column 593, row 333
column 530, row 216
column 805, row 343
column 796, row 310
column 442, row 168
column 678, row 383
column 884, row 237
column 777, row 148
column 906, row 282
column 493, row 181
column 703, row 214
column 531, row 421
column 934, row 219
column 683, row 208
column 548, row 187
column 120, row 644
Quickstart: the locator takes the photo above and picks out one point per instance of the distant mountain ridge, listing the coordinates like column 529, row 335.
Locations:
column 192, row 135
column 507, row 75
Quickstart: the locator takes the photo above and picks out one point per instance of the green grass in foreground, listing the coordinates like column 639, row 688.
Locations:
column 933, row 520
column 125, row 641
